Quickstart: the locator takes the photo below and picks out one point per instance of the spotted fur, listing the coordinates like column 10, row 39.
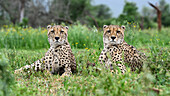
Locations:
column 59, row 59
column 118, row 50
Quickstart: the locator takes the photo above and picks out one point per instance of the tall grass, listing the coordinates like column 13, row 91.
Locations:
column 79, row 36
column 28, row 38
column 17, row 37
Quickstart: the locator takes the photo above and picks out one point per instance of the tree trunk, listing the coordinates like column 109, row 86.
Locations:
column 141, row 23
column 158, row 15
column 22, row 9
column 159, row 20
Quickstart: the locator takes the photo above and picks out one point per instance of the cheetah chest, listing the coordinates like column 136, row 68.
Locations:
column 115, row 53
column 57, row 60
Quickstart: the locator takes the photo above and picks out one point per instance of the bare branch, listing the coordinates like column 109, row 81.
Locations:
column 155, row 7
column 87, row 13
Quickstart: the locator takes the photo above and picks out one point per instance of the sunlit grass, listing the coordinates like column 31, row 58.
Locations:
column 79, row 36
column 87, row 81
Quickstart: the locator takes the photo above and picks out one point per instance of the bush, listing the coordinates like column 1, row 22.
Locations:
column 5, row 76
column 158, row 63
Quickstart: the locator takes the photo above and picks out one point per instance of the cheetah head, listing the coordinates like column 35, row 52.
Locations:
column 113, row 34
column 57, row 35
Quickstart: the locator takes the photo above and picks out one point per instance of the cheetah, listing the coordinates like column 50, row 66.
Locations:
column 59, row 59
column 119, row 51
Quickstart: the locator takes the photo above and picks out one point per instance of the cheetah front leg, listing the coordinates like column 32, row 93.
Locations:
column 106, row 58
column 67, row 70
column 103, row 58
column 121, row 67
column 37, row 65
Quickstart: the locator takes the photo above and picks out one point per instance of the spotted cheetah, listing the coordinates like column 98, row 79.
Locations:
column 118, row 50
column 59, row 59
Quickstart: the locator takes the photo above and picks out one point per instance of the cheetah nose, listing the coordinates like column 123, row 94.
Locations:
column 56, row 38
column 113, row 37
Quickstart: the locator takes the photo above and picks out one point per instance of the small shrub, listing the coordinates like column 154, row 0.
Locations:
column 158, row 63
column 5, row 76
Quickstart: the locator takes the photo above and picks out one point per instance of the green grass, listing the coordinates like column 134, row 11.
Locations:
column 86, row 44
column 79, row 36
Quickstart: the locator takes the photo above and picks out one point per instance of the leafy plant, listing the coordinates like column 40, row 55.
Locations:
column 5, row 76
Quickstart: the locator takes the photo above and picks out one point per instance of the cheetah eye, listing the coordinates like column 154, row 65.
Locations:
column 118, row 31
column 108, row 31
column 61, row 31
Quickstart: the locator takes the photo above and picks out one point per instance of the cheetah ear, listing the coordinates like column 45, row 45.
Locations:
column 66, row 27
column 123, row 27
column 104, row 26
column 48, row 27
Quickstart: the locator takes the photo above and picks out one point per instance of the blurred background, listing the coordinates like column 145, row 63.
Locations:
column 37, row 13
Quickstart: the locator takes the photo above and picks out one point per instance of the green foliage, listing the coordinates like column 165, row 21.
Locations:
column 30, row 38
column 148, row 23
column 24, row 22
column 99, row 15
column 81, row 6
column 130, row 8
column 165, row 9
column 159, row 63
column 5, row 76
column 129, row 12
column 88, row 81
column 80, row 36
column 102, row 12
column 18, row 37
column 42, row 13
column 107, row 84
